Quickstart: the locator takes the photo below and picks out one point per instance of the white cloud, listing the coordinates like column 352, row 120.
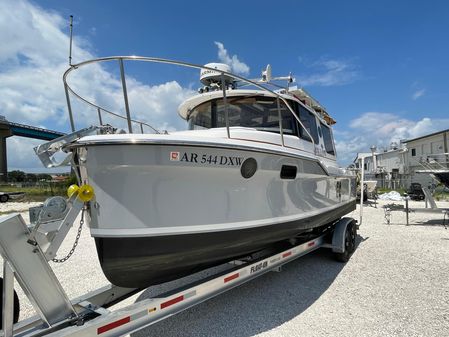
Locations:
column 158, row 103
column 348, row 147
column 328, row 72
column 24, row 158
column 417, row 94
column 154, row 104
column 33, row 57
column 381, row 129
column 233, row 61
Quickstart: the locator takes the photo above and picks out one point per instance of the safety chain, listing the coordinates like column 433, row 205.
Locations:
column 65, row 258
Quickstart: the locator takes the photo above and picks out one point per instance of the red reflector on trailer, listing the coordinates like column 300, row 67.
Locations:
column 232, row 277
column 311, row 244
column 287, row 254
column 113, row 325
column 172, row 301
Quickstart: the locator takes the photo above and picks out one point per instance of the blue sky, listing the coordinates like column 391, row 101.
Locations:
column 380, row 67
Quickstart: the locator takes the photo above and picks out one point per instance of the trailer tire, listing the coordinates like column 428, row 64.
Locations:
column 4, row 198
column 16, row 306
column 350, row 235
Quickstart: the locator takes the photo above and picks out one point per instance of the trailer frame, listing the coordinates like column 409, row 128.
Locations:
column 88, row 315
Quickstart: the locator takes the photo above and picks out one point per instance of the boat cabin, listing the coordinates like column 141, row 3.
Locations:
column 257, row 110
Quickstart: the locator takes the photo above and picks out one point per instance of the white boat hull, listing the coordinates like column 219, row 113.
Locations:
column 144, row 193
column 164, row 210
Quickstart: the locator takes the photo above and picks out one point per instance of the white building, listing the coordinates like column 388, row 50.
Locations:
column 387, row 167
column 429, row 151
column 398, row 166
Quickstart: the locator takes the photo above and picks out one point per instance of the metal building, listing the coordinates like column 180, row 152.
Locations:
column 397, row 166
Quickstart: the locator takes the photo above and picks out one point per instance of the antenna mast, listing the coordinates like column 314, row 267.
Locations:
column 71, row 33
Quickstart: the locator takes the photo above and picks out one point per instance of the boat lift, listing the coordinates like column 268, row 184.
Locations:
column 26, row 251
column 433, row 209
column 429, row 201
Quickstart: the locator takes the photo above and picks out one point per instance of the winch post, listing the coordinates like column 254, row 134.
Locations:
column 49, row 235
column 64, row 227
column 32, row 272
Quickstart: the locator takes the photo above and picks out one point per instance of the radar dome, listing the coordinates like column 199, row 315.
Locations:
column 208, row 77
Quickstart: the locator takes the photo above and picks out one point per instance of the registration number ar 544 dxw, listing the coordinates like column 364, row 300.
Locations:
column 207, row 159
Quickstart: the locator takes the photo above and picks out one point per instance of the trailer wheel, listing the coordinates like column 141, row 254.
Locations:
column 4, row 198
column 16, row 307
column 350, row 235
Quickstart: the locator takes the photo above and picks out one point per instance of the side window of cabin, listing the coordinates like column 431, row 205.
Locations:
column 289, row 125
column 327, row 136
column 201, row 117
column 413, row 152
column 307, row 119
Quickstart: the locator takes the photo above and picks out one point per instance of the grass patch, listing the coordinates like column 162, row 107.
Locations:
column 37, row 193
column 383, row 190
column 441, row 196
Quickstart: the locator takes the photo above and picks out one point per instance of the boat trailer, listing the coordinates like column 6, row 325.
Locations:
column 26, row 251
column 429, row 201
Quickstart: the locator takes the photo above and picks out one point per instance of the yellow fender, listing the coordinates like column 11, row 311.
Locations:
column 85, row 193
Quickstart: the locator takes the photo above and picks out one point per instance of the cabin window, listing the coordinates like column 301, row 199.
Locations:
column 257, row 112
column 308, row 119
column 328, row 141
column 201, row 117
column 413, row 152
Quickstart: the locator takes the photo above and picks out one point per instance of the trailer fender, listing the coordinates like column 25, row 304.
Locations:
column 338, row 237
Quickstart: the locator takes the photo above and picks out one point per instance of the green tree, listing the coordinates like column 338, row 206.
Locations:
column 16, row 176
column 31, row 177
column 43, row 177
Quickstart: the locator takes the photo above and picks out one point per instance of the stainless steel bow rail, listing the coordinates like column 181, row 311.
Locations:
column 26, row 251
column 266, row 79
column 223, row 85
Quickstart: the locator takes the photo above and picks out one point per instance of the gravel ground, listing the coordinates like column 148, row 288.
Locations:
column 396, row 284
column 10, row 207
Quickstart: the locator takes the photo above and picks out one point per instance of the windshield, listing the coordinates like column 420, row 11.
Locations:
column 257, row 112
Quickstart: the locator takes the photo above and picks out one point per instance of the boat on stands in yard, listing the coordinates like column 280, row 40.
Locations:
column 256, row 167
